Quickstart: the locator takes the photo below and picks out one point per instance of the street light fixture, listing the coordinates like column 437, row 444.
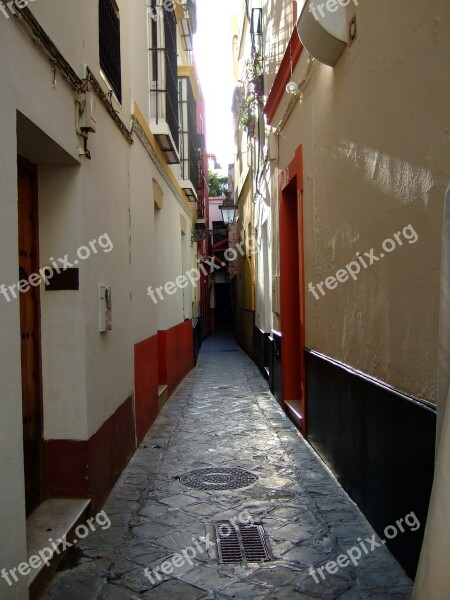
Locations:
column 228, row 209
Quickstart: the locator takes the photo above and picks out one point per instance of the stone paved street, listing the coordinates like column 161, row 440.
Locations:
column 223, row 415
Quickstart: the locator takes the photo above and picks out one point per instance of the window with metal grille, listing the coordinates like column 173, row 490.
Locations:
column 163, row 65
column 109, row 41
column 188, row 132
column 256, row 29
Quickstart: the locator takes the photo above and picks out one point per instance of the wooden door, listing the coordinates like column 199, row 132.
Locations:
column 30, row 335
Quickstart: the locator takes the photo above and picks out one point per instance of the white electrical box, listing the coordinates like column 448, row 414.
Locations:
column 105, row 308
column 88, row 118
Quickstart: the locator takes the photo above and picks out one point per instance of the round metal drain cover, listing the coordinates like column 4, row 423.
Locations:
column 221, row 478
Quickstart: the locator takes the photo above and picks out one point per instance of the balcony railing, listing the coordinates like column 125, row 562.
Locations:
column 164, row 76
column 201, row 186
column 190, row 7
column 188, row 132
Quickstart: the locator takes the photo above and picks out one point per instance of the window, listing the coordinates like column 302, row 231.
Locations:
column 109, row 39
column 256, row 29
column 220, row 234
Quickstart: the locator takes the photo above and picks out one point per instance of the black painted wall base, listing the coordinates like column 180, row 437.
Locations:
column 380, row 445
column 275, row 365
column 258, row 347
column 261, row 350
column 198, row 340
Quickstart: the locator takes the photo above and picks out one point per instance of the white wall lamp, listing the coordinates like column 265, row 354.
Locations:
column 292, row 87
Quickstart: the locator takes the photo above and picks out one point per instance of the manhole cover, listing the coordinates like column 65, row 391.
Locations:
column 221, row 478
column 241, row 543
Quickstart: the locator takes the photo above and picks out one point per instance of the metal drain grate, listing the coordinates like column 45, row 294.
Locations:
column 241, row 543
column 221, row 478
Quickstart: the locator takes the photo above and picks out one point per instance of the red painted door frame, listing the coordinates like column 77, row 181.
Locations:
column 292, row 284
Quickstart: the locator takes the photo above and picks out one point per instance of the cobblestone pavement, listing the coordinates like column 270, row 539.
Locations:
column 224, row 416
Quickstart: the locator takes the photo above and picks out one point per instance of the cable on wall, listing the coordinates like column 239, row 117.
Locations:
column 297, row 95
column 58, row 63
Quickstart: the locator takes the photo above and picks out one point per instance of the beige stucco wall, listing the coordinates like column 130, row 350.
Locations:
column 374, row 132
column 246, row 267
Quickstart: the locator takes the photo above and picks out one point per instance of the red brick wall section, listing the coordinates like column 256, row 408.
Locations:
column 89, row 469
column 175, row 354
column 146, row 385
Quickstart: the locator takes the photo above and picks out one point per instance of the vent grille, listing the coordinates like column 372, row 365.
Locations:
column 241, row 543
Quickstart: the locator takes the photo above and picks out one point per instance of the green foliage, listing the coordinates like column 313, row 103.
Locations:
column 251, row 96
column 217, row 185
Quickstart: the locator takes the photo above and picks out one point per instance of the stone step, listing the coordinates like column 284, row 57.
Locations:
column 163, row 395
column 294, row 408
column 53, row 520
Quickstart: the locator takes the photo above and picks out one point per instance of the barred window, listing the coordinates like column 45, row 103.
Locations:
column 109, row 42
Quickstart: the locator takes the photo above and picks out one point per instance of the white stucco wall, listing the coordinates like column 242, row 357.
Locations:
column 12, row 492
column 86, row 375
column 143, row 257
column 169, row 263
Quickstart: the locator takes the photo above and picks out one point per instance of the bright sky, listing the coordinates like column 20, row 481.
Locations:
column 214, row 60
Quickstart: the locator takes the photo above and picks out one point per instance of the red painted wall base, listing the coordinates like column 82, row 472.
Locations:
column 80, row 469
column 89, row 469
column 146, row 385
column 175, row 354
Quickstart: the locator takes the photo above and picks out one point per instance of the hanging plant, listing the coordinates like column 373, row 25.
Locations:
column 251, row 100
column 247, row 113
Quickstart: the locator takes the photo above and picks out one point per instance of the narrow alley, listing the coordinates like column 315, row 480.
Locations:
column 223, row 416
column 224, row 300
